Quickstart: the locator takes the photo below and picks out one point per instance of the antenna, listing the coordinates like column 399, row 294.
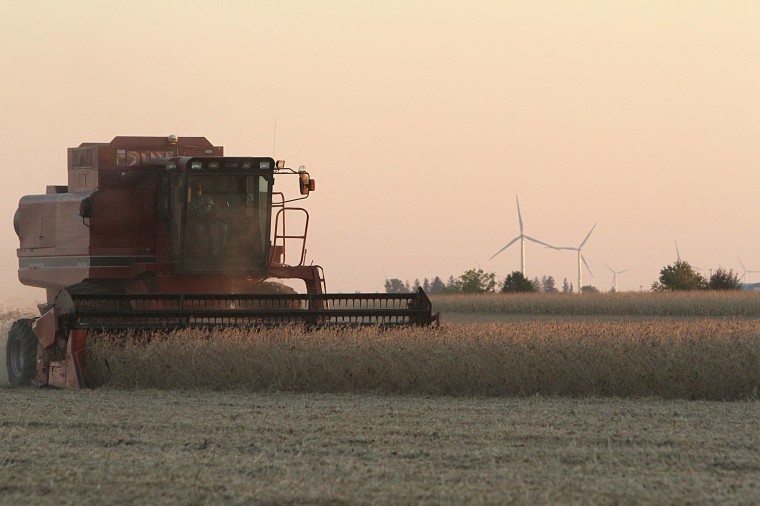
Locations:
column 274, row 136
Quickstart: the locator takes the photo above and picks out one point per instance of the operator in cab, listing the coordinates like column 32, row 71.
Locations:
column 210, row 233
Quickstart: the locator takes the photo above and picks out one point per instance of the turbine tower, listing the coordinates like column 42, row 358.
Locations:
column 522, row 237
column 614, row 276
column 581, row 259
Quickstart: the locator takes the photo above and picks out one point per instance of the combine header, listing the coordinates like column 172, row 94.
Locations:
column 156, row 233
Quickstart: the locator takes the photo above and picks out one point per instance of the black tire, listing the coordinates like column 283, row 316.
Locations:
column 21, row 353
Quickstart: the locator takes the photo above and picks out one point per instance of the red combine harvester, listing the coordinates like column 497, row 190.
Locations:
column 157, row 233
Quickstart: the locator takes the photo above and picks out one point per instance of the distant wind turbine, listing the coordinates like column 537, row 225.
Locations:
column 745, row 271
column 614, row 276
column 522, row 237
column 581, row 259
column 678, row 257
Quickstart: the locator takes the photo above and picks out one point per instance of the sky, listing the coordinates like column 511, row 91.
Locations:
column 421, row 122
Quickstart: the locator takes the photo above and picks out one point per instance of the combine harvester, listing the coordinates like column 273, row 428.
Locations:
column 164, row 233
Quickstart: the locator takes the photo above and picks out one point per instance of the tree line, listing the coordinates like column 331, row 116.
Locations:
column 678, row 276
column 479, row 281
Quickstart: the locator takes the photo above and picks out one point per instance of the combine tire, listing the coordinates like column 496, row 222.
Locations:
column 21, row 353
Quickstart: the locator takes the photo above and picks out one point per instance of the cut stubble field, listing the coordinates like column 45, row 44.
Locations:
column 196, row 446
column 556, row 406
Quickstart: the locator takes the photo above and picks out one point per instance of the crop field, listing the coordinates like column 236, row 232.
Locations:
column 717, row 304
column 528, row 404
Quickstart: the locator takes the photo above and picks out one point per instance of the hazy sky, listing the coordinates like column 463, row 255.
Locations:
column 421, row 121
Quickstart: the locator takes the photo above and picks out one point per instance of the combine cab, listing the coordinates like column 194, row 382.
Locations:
column 156, row 233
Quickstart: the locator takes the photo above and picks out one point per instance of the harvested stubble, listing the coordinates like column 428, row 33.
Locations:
column 707, row 359
column 686, row 303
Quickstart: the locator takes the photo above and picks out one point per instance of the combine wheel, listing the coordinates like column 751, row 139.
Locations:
column 21, row 353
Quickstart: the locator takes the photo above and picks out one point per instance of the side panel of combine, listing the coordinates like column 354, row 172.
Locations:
column 54, row 241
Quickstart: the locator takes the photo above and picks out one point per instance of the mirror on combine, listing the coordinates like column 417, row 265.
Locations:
column 305, row 182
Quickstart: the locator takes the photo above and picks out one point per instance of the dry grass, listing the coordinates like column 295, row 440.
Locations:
column 699, row 359
column 689, row 304
column 199, row 447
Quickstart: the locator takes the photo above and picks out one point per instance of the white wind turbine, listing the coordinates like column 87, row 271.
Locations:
column 522, row 237
column 581, row 259
column 678, row 257
column 745, row 271
column 614, row 276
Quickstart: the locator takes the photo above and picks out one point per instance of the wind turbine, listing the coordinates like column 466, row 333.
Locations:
column 522, row 237
column 581, row 259
column 744, row 274
column 614, row 276
column 678, row 257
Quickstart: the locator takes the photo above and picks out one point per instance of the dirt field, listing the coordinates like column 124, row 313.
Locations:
column 105, row 446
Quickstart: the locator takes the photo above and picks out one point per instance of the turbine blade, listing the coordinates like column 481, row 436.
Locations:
column 541, row 242
column 519, row 214
column 610, row 268
column 740, row 263
column 587, row 267
column 588, row 235
column 510, row 243
column 626, row 270
column 678, row 254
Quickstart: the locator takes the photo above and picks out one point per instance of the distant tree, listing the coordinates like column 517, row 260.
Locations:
column 437, row 286
column 395, row 285
column 416, row 285
column 548, row 284
column 516, row 282
column 477, row 281
column 589, row 289
column 451, row 286
column 679, row 276
column 565, row 286
column 537, row 284
column 571, row 287
column 723, row 279
column 426, row 285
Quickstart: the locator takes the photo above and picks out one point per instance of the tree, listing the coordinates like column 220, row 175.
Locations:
column 724, row 279
column 451, row 286
column 566, row 286
column 476, row 281
column 416, row 285
column 548, row 284
column 426, row 285
column 437, row 286
column 679, row 276
column 395, row 286
column 517, row 282
column 589, row 289
column 537, row 284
